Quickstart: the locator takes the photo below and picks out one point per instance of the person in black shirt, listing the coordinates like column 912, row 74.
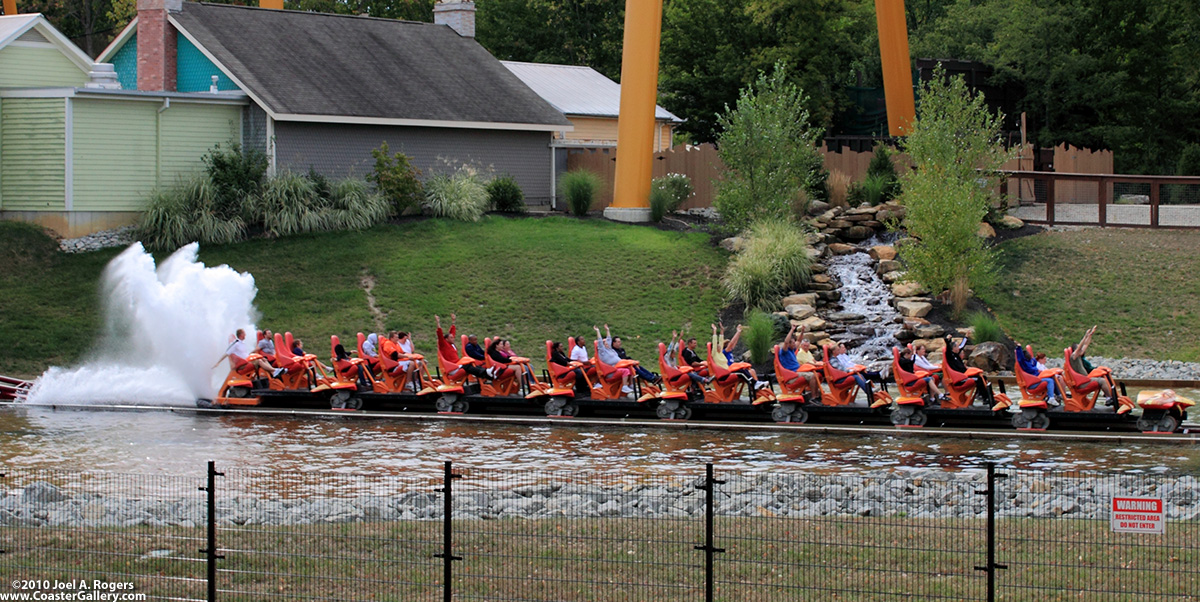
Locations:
column 955, row 361
column 558, row 357
column 473, row 349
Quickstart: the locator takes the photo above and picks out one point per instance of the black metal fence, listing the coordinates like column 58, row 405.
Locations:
column 700, row 534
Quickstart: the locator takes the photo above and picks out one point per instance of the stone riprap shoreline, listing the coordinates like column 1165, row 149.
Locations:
column 117, row 237
column 921, row 494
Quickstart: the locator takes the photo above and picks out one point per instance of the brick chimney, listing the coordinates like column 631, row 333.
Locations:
column 460, row 16
column 156, row 45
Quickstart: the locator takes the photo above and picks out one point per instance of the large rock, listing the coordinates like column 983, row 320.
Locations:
column 1011, row 222
column 821, row 278
column 888, row 265
column 985, row 230
column 931, row 345
column 817, row 336
column 820, row 286
column 893, row 276
column 890, row 212
column 839, row 248
column 800, row 299
column 991, row 357
column 857, row 233
column 800, row 312
column 818, row 268
column 846, row 317
column 733, row 244
column 839, row 224
column 882, row 253
column 863, row 210
column 929, row 331
column 913, row 309
column 854, row 217
column 908, row 288
column 810, row 324
column 817, row 207
column 41, row 492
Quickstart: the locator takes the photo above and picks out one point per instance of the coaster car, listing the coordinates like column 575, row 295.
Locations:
column 728, row 386
column 302, row 375
column 1035, row 397
column 610, row 381
column 673, row 404
column 794, row 393
column 562, row 384
column 1162, row 411
column 843, row 388
column 1085, row 391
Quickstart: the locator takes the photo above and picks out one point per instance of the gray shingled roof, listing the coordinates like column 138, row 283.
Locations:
column 303, row 63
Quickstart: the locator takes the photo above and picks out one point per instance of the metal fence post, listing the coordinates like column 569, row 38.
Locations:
column 709, row 486
column 447, row 554
column 991, row 567
column 210, row 551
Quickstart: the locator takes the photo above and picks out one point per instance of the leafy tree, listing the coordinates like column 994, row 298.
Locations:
column 768, row 145
column 954, row 143
column 396, row 179
column 572, row 32
column 408, row 10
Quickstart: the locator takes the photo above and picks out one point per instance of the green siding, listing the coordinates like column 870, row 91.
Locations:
column 190, row 130
column 110, row 180
column 31, row 67
column 115, row 153
column 33, row 147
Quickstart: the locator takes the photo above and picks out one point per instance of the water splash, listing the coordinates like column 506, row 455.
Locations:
column 164, row 330
column 865, row 293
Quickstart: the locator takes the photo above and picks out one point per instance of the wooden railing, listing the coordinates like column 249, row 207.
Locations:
column 1053, row 198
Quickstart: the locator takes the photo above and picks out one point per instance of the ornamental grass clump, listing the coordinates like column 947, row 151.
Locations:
column 580, row 187
column 984, row 328
column 190, row 211
column 774, row 261
column 293, row 204
column 758, row 336
column 461, row 195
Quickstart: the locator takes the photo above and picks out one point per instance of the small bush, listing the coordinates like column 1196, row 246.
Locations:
column 461, row 195
column 580, row 187
column 873, row 190
column 320, row 183
column 354, row 206
column 678, row 188
column 505, row 196
column 758, row 336
column 190, row 211
column 984, row 328
column 235, row 174
column 660, row 204
column 288, row 204
column 774, row 261
column 396, row 179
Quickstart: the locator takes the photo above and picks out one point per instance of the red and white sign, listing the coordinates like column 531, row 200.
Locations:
column 1138, row 515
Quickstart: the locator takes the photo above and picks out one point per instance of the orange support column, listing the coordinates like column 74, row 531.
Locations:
column 635, row 125
column 272, row 4
column 10, row 7
column 897, row 67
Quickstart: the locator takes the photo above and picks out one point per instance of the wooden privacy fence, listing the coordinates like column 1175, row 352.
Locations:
column 1104, row 199
column 704, row 166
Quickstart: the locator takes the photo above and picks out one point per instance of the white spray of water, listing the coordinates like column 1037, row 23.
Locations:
column 164, row 330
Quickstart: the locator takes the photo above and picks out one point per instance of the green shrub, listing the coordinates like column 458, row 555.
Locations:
column 881, row 165
column 774, row 261
column 580, row 187
column 873, row 190
column 984, row 328
column 288, row 204
column 190, row 211
column 955, row 146
column 236, row 174
column 768, row 145
column 505, row 195
column 461, row 195
column 677, row 187
column 320, row 183
column 396, row 179
column 354, row 206
column 660, row 204
column 758, row 336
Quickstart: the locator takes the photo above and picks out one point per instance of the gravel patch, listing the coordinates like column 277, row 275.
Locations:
column 117, row 237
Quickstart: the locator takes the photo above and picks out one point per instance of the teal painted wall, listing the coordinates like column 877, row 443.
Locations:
column 194, row 71
column 125, row 62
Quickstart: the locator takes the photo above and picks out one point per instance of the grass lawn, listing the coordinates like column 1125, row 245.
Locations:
column 1141, row 287
column 525, row 279
column 626, row 560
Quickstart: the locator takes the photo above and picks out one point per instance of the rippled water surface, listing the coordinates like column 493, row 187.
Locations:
column 164, row 443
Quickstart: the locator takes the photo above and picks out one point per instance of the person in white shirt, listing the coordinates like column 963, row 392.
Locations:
column 608, row 355
column 239, row 350
column 579, row 354
column 921, row 360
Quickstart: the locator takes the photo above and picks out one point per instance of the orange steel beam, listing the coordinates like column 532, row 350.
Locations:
column 10, row 7
column 275, row 4
column 639, row 94
column 897, row 66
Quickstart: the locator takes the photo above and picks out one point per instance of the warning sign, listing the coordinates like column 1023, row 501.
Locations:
column 1137, row 515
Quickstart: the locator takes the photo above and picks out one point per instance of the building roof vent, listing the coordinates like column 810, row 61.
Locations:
column 103, row 76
